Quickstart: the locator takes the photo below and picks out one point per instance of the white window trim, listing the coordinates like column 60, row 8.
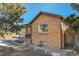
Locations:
column 38, row 28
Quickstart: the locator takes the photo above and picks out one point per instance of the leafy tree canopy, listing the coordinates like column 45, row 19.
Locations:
column 12, row 11
column 9, row 14
column 75, row 6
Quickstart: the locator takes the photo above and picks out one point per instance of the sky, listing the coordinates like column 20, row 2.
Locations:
column 33, row 9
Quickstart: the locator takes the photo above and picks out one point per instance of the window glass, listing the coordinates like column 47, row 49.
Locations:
column 43, row 28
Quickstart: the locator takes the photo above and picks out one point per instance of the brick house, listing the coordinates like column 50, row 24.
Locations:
column 47, row 29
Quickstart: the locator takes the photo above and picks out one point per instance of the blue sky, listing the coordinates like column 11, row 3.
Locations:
column 33, row 9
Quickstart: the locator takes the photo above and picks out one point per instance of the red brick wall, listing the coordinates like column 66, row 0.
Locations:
column 54, row 36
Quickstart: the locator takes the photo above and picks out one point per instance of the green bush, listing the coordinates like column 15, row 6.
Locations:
column 1, row 33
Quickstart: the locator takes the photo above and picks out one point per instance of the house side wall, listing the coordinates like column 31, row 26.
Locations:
column 53, row 38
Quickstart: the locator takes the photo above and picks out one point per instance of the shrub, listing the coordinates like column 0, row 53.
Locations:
column 1, row 33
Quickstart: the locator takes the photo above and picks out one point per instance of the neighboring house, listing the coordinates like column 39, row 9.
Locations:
column 47, row 29
column 28, row 28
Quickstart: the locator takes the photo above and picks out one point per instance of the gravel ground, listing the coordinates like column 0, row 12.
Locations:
column 9, row 51
column 29, row 51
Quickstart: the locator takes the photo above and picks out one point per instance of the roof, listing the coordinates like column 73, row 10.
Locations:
column 27, row 25
column 41, row 12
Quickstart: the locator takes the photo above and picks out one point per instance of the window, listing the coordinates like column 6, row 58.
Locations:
column 43, row 28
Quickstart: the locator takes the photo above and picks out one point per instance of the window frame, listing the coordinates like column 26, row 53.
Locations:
column 38, row 29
